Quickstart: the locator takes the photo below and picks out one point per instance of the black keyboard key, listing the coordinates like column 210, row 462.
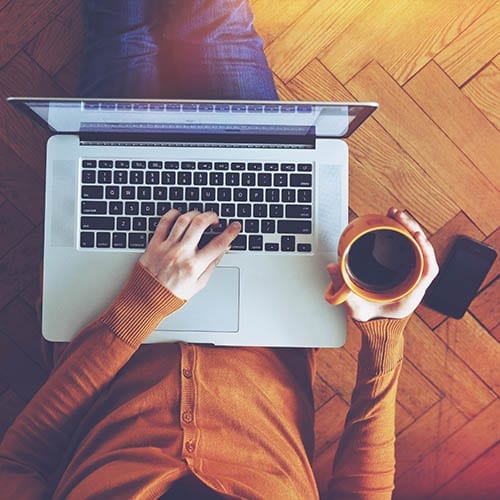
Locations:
column 128, row 193
column 244, row 210
column 272, row 195
column 139, row 223
column 137, row 240
column 288, row 243
column 268, row 226
column 223, row 194
column 304, row 247
column 192, row 193
column 168, row 178
column 147, row 208
column 155, row 164
column 115, row 207
column 88, row 177
column 152, row 177
column 237, row 166
column 112, row 192
column 288, row 196
column 255, row 242
column 240, row 242
column 271, row 167
column 105, row 163
column 280, row 180
column 298, row 211
column 251, row 226
column 131, row 208
column 304, row 195
column 200, row 179
column 184, row 178
column 256, row 195
column 276, row 211
column 136, row 177
column 216, row 179
column 301, row 180
column 163, row 207
column 104, row 223
column 139, row 164
column 271, row 247
column 89, row 163
column 103, row 240
column 240, row 194
column 212, row 207
column 260, row 210
column 153, row 223
column 188, row 165
column 86, row 240
column 208, row 194
column 144, row 193
column 294, row 226
column 304, row 167
column 205, row 165
column 180, row 206
column 159, row 193
column 123, row 223
column 119, row 240
column 254, row 167
column 221, row 165
column 232, row 179
column 288, row 167
column 92, row 192
column 227, row 210
column 104, row 176
column 120, row 177
column 248, row 179
column 122, row 164
column 176, row 193
column 264, row 180
column 196, row 206
column 94, row 207
column 171, row 165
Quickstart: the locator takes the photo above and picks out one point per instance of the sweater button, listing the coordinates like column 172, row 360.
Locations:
column 187, row 416
column 190, row 446
column 187, row 372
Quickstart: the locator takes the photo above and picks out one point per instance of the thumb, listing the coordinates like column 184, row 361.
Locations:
column 335, row 275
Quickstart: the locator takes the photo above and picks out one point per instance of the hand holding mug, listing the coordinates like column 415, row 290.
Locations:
column 385, row 283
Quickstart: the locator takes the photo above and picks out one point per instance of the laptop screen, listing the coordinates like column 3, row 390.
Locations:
column 332, row 120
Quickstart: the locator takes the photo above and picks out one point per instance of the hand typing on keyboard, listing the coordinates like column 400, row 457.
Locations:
column 173, row 255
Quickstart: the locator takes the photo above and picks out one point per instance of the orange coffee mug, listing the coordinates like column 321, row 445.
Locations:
column 379, row 261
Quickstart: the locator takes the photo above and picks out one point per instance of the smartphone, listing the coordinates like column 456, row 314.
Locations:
column 460, row 277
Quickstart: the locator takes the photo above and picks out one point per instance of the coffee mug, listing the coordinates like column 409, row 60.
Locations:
column 379, row 260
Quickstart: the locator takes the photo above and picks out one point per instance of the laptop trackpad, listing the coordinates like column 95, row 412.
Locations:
column 214, row 309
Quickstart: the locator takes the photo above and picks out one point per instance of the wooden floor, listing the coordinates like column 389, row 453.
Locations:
column 432, row 148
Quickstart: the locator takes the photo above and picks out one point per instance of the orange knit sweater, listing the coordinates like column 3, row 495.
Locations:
column 119, row 420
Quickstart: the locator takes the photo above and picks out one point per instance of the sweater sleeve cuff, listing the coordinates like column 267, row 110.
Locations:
column 381, row 345
column 139, row 307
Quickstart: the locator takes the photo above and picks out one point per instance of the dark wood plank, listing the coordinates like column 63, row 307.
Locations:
column 11, row 405
column 14, row 226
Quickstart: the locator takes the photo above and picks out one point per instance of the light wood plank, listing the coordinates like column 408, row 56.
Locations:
column 440, row 98
column 378, row 163
column 426, row 433
column 484, row 91
column 474, row 346
column 478, row 481
column 329, row 423
column 473, row 49
column 494, row 241
column 338, row 369
column 456, row 453
column 485, row 306
column 322, row 22
column 442, row 160
column 446, row 370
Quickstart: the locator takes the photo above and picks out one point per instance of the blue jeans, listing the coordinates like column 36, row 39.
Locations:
column 182, row 49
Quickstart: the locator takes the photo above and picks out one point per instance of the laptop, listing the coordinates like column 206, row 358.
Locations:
column 115, row 166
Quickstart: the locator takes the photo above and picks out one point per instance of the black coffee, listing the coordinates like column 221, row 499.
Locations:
column 380, row 260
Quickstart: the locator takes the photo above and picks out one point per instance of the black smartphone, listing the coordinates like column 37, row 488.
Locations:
column 460, row 277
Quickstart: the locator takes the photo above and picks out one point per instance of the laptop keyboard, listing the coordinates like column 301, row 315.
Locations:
column 122, row 201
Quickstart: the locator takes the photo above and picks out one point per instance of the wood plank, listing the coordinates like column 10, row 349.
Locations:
column 22, row 374
column 473, row 49
column 456, row 453
column 20, row 324
column 67, row 77
column 11, row 405
column 446, row 370
column 378, row 163
column 485, row 306
column 426, row 433
column 440, row 98
column 381, row 33
column 284, row 93
column 22, row 76
column 28, row 17
column 272, row 20
column 322, row 22
column 474, row 346
column 20, row 267
column 338, row 369
column 484, row 91
column 442, row 241
column 54, row 46
column 322, row 392
column 494, row 241
column 429, row 146
column 13, row 227
column 478, row 481
column 329, row 423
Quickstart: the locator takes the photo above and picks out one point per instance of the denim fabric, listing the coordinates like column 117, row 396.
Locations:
column 184, row 49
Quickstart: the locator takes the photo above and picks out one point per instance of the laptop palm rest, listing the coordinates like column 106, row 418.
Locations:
column 214, row 309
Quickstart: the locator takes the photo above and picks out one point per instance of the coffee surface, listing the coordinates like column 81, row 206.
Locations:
column 380, row 260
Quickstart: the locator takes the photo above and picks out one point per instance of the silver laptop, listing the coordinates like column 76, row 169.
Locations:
column 115, row 166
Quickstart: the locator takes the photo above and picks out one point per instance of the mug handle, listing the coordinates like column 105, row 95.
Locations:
column 337, row 297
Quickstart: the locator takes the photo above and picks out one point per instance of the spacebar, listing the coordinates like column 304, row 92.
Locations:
column 97, row 223
column 294, row 226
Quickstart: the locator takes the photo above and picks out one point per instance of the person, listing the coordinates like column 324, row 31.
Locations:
column 118, row 419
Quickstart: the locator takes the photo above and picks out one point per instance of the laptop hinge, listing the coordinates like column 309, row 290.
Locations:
column 199, row 140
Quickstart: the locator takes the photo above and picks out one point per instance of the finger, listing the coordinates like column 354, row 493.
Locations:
column 335, row 275
column 180, row 226
column 407, row 221
column 164, row 226
column 431, row 267
column 199, row 224
column 220, row 244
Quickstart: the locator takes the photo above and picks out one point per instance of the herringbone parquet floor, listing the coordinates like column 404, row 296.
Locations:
column 432, row 148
